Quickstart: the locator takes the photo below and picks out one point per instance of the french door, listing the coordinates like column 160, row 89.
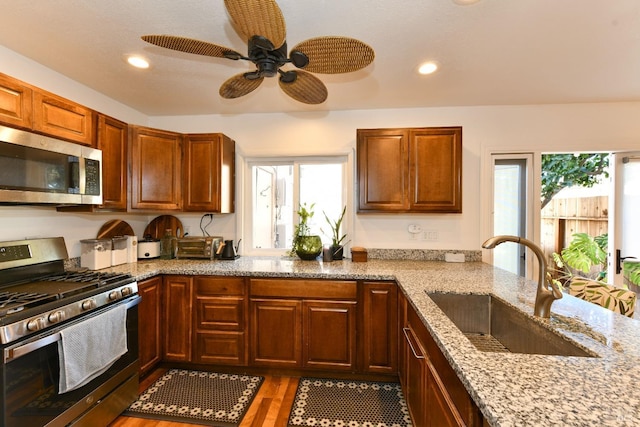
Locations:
column 624, row 212
column 512, row 200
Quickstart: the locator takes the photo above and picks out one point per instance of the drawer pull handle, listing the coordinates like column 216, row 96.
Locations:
column 413, row 350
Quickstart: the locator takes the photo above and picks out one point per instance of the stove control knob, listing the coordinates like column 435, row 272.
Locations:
column 34, row 324
column 126, row 291
column 56, row 316
column 88, row 304
column 113, row 296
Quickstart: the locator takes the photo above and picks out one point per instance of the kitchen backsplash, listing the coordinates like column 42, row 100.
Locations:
column 421, row 254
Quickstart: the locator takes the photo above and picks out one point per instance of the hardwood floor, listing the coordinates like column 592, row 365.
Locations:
column 270, row 407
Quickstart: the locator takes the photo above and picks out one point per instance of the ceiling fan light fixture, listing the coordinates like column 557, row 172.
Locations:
column 137, row 61
column 426, row 68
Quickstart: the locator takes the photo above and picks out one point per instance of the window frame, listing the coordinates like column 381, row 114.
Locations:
column 246, row 220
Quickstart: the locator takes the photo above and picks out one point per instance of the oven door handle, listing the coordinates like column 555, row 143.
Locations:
column 14, row 353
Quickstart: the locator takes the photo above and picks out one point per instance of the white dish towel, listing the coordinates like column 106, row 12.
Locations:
column 89, row 348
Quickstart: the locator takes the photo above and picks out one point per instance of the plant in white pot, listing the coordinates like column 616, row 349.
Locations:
column 304, row 244
column 337, row 249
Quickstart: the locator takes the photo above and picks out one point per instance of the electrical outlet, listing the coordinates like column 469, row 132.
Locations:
column 414, row 231
column 430, row 236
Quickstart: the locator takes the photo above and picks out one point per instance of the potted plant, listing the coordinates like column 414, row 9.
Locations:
column 304, row 244
column 337, row 249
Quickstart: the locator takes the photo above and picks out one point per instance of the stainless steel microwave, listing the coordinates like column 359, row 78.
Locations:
column 37, row 169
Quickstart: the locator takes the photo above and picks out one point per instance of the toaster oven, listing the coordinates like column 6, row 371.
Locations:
column 201, row 247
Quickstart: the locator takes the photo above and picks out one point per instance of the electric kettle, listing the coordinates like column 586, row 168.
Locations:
column 229, row 251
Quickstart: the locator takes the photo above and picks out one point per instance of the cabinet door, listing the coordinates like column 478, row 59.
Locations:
column 150, row 351
column 276, row 333
column 382, row 163
column 15, row 103
column 220, row 330
column 435, row 182
column 59, row 117
column 177, row 323
column 329, row 334
column 442, row 412
column 112, row 140
column 380, row 327
column 416, row 379
column 156, row 181
column 209, row 173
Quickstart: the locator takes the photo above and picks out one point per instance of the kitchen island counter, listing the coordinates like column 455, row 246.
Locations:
column 510, row 389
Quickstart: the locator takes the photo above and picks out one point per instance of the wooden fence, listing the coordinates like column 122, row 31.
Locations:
column 561, row 218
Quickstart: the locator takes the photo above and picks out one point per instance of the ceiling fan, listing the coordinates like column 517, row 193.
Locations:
column 261, row 23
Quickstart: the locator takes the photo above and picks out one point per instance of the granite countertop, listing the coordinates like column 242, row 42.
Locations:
column 510, row 389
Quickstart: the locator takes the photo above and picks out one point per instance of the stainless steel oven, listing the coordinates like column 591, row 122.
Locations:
column 38, row 307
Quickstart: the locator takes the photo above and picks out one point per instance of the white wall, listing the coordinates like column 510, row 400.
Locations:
column 589, row 127
column 569, row 127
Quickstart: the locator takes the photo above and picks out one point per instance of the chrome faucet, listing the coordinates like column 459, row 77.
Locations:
column 547, row 291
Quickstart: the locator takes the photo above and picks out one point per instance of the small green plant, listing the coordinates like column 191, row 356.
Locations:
column 301, row 229
column 336, row 238
column 583, row 253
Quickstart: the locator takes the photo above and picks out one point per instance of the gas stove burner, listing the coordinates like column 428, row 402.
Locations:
column 86, row 276
column 13, row 302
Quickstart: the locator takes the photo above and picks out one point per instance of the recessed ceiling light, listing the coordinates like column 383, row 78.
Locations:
column 138, row 62
column 427, row 68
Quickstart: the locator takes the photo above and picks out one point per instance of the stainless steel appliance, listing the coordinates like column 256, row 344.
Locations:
column 39, row 303
column 203, row 247
column 38, row 169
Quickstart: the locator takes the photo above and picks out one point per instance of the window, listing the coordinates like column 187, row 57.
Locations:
column 279, row 187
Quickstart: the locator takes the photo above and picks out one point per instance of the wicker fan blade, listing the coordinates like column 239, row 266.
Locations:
column 258, row 18
column 238, row 86
column 197, row 47
column 306, row 88
column 334, row 55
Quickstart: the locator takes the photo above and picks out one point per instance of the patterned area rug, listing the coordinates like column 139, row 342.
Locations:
column 197, row 397
column 336, row 403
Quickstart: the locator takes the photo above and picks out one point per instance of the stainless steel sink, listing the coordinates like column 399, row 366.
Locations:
column 491, row 325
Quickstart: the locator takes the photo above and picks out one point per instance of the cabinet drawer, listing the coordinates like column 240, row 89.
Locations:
column 284, row 288
column 221, row 348
column 221, row 313
column 219, row 286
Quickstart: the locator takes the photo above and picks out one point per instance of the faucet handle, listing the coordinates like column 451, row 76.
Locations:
column 556, row 289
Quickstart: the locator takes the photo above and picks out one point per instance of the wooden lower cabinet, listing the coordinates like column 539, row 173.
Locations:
column 177, row 318
column 221, row 319
column 434, row 394
column 380, row 327
column 276, row 333
column 149, row 341
column 309, row 324
column 329, row 335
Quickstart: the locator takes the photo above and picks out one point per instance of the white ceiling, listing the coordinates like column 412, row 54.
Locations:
column 490, row 53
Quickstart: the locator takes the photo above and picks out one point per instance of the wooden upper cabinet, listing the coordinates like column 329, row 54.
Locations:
column 156, row 169
column 112, row 140
column 59, row 117
column 410, row 170
column 15, row 103
column 209, row 184
column 383, row 169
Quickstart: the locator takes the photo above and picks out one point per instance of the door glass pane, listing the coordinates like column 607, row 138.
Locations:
column 508, row 218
